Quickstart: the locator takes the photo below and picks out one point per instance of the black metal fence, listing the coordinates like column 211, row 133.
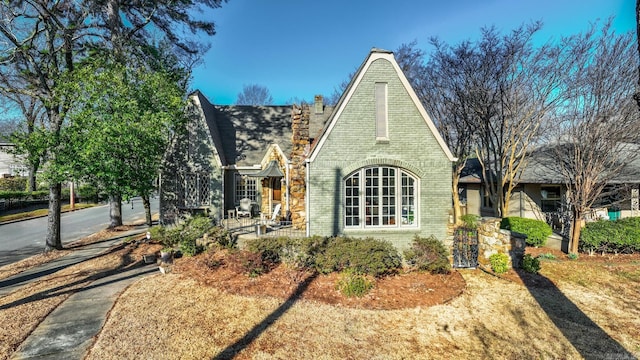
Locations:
column 465, row 248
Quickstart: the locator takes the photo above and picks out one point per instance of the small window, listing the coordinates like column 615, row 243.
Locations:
column 382, row 126
column 245, row 187
column 486, row 198
column 550, row 199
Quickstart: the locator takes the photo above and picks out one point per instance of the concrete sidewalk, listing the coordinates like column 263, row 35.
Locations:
column 68, row 331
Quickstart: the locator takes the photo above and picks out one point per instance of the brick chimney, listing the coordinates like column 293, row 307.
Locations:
column 297, row 184
column 318, row 104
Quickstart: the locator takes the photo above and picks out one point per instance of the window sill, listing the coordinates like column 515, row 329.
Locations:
column 381, row 228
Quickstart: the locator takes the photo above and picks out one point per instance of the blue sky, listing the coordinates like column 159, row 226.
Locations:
column 298, row 48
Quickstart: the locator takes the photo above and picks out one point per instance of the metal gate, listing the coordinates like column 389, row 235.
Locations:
column 465, row 248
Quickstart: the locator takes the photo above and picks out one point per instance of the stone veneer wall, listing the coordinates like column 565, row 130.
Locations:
column 297, row 181
column 492, row 239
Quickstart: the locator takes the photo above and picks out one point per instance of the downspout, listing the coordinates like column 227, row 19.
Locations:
column 224, row 197
column 521, row 201
column 286, row 182
column 307, row 196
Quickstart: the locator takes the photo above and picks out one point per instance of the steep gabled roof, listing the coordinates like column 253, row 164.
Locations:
column 207, row 111
column 374, row 55
column 243, row 133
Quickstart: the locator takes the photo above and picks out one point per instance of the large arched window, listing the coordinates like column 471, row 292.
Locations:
column 380, row 197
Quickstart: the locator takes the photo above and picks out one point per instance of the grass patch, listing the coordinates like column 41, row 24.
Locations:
column 40, row 212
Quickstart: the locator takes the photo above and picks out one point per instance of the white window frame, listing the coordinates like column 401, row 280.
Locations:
column 381, row 197
column 245, row 187
column 382, row 112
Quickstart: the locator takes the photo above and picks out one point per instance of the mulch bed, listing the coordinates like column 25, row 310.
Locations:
column 406, row 290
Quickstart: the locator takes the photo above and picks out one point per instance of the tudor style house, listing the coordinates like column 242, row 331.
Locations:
column 374, row 164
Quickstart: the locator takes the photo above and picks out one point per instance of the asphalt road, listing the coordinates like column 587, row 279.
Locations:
column 22, row 239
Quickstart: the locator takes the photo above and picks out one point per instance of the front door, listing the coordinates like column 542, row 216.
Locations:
column 277, row 192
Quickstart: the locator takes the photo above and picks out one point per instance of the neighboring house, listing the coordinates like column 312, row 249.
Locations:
column 374, row 165
column 10, row 165
column 541, row 191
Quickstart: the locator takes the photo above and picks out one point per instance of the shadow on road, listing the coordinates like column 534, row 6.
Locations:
column 589, row 339
column 232, row 350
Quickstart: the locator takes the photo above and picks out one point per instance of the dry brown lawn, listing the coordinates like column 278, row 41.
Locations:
column 586, row 308
column 22, row 310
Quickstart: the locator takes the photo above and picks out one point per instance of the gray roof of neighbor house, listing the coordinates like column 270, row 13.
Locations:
column 541, row 169
column 243, row 133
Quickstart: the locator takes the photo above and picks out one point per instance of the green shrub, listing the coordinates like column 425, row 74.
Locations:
column 297, row 252
column 363, row 256
column 269, row 247
column 546, row 256
column 428, row 254
column 157, row 232
column 171, row 237
column 351, row 284
column 572, row 256
column 499, row 263
column 530, row 264
column 13, row 184
column 470, row 220
column 620, row 236
column 195, row 228
column 188, row 246
column 222, row 237
column 537, row 231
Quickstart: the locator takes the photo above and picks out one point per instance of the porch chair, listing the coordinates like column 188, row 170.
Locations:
column 273, row 222
column 245, row 208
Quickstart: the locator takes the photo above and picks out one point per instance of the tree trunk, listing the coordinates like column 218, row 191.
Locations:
column 115, row 210
column 31, row 182
column 576, row 228
column 53, row 241
column 147, row 208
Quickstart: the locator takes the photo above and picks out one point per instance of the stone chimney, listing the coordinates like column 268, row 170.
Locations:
column 297, row 183
column 318, row 104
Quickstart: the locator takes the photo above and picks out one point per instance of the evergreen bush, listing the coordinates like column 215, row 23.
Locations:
column 619, row 236
column 530, row 264
column 351, row 284
column 499, row 263
column 537, row 231
column 363, row 256
column 428, row 254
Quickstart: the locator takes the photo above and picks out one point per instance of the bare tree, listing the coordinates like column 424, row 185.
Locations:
column 598, row 124
column 491, row 96
column 441, row 87
column 254, row 95
column 522, row 87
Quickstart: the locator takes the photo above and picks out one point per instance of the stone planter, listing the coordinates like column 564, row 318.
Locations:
column 149, row 258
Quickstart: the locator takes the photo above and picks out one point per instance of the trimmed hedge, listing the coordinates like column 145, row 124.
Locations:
column 619, row 236
column 537, row 231
column 364, row 256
